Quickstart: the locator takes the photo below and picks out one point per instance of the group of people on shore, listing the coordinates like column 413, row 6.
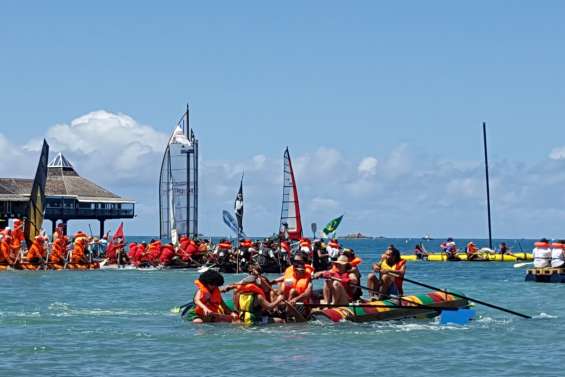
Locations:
column 258, row 300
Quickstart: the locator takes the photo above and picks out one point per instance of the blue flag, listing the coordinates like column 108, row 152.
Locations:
column 230, row 222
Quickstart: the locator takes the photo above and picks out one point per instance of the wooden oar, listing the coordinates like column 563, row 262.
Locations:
column 465, row 297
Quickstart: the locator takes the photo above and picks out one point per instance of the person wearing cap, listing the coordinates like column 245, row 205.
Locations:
column 391, row 269
column 341, row 281
column 209, row 305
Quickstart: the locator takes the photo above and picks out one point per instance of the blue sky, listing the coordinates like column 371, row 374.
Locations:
column 407, row 84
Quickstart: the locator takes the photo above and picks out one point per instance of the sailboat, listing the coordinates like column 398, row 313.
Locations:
column 178, row 186
column 290, row 223
column 36, row 205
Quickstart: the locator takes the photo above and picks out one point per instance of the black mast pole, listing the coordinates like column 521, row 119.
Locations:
column 488, row 186
column 188, row 182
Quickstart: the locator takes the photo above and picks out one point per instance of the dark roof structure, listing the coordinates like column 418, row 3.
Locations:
column 62, row 181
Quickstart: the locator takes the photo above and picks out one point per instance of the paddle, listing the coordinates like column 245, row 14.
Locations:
column 465, row 297
column 520, row 265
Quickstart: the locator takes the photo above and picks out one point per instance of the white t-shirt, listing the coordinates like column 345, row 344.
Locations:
column 557, row 257
column 542, row 257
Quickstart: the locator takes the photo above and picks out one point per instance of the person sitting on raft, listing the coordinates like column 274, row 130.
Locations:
column 504, row 250
column 296, row 283
column 420, row 252
column 251, row 299
column 340, row 284
column 450, row 249
column 392, row 269
column 472, row 251
column 542, row 253
column 36, row 253
column 320, row 256
column 209, row 305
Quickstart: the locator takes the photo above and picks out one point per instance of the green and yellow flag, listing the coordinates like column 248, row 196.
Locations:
column 332, row 226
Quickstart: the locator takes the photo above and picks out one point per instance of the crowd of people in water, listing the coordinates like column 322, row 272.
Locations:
column 289, row 297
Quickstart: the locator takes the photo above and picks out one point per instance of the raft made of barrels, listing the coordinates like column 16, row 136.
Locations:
column 366, row 313
column 546, row 275
column 462, row 257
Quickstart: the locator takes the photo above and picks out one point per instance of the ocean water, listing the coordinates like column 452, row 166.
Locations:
column 119, row 323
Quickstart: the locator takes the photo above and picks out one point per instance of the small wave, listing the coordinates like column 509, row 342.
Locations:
column 543, row 315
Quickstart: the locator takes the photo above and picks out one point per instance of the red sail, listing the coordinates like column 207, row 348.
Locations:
column 290, row 223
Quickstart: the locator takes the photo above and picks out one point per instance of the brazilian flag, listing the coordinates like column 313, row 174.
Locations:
column 332, row 225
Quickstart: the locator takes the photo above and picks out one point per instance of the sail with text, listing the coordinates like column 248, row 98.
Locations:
column 290, row 224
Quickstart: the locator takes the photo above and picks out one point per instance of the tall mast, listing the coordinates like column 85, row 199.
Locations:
column 488, row 186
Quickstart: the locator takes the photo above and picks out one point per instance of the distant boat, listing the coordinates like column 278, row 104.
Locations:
column 290, row 222
column 355, row 236
column 427, row 238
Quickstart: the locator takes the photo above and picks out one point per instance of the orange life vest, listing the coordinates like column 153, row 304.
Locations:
column 542, row 244
column 292, row 282
column 212, row 300
column 557, row 245
column 224, row 245
column 251, row 288
column 305, row 242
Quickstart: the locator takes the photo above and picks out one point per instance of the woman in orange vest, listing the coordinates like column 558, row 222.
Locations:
column 59, row 250
column 208, row 303
column 388, row 284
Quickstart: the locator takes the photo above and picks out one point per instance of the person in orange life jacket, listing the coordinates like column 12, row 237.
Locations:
column 17, row 237
column 296, row 282
column 5, row 250
column 265, row 298
column 339, row 287
column 209, row 305
column 79, row 247
column 167, row 254
column 36, row 253
column 388, row 284
column 472, row 251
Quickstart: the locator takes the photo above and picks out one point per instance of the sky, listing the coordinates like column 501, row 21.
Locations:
column 380, row 103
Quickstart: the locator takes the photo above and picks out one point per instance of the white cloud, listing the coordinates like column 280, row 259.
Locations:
column 368, row 166
column 557, row 153
column 323, row 204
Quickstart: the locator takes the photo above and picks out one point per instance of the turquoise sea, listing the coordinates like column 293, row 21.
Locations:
column 119, row 323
